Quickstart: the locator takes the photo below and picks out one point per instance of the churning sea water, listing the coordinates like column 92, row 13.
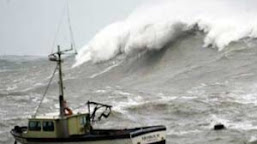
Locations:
column 185, row 68
column 184, row 86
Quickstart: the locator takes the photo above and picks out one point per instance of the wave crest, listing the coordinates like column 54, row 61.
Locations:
column 152, row 26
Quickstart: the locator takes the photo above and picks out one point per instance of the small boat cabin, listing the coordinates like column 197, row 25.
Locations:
column 54, row 127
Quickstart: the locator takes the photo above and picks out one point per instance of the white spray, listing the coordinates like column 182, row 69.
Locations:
column 154, row 25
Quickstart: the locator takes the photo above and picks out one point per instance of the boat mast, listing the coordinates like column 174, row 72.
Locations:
column 57, row 57
column 61, row 92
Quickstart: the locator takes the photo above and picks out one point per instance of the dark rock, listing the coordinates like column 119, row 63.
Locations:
column 219, row 127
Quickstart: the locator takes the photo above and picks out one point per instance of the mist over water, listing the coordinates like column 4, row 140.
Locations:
column 187, row 68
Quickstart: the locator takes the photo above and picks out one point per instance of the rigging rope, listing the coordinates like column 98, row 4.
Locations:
column 73, row 45
column 58, row 29
column 46, row 90
column 70, row 28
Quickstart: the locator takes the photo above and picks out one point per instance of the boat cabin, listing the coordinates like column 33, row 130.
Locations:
column 52, row 127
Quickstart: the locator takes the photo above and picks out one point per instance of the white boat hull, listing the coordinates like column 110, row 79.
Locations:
column 135, row 137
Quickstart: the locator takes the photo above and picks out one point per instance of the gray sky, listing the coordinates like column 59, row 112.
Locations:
column 28, row 27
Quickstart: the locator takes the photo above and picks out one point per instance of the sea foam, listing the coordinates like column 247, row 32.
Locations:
column 153, row 25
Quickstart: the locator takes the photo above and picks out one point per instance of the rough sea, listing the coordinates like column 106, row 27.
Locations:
column 184, row 86
column 184, row 64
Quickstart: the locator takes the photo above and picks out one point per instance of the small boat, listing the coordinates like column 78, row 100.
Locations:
column 77, row 128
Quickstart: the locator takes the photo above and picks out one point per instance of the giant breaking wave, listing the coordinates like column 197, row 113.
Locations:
column 152, row 26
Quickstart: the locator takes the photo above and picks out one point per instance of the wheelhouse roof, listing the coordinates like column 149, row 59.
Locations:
column 52, row 116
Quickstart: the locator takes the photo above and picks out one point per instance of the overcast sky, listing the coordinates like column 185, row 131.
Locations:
column 29, row 27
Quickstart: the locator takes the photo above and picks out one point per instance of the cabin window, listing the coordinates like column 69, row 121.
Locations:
column 48, row 126
column 34, row 125
column 83, row 120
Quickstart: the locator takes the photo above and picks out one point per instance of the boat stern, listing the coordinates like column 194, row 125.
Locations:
column 149, row 135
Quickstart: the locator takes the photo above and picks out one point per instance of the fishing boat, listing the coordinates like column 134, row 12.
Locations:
column 68, row 127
